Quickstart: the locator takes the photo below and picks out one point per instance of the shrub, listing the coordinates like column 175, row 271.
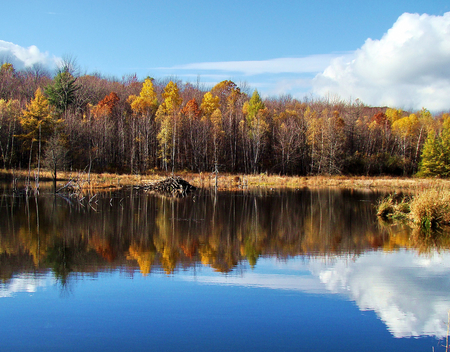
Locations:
column 393, row 207
column 431, row 209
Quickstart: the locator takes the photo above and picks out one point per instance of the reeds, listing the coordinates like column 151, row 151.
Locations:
column 428, row 209
column 393, row 207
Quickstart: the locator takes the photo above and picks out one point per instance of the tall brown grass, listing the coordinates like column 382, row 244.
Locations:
column 430, row 209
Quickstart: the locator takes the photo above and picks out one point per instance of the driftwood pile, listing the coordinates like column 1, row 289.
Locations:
column 171, row 186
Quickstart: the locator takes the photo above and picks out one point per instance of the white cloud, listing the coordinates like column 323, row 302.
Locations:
column 409, row 67
column 25, row 57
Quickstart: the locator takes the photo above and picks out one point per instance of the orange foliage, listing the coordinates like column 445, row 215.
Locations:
column 191, row 109
column 105, row 106
column 381, row 119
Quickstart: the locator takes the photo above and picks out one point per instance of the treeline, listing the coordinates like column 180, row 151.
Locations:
column 70, row 121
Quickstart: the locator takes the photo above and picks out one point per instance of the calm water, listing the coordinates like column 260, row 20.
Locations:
column 262, row 271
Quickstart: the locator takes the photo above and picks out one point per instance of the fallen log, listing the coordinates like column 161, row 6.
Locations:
column 173, row 186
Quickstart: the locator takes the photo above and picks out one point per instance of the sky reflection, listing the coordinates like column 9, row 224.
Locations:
column 408, row 292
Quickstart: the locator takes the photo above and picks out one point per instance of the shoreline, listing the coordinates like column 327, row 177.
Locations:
column 230, row 181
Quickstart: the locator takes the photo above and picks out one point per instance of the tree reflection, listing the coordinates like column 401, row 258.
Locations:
column 220, row 230
column 60, row 257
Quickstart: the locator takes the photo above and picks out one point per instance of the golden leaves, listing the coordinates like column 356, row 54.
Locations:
column 209, row 104
column 147, row 100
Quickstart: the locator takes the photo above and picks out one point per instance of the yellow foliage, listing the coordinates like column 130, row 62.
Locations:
column 147, row 100
column 172, row 98
column 10, row 108
column 393, row 114
column 37, row 114
column 216, row 119
column 209, row 104
column 7, row 68
column 406, row 126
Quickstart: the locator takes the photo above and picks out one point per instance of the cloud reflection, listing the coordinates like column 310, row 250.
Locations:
column 24, row 283
column 408, row 292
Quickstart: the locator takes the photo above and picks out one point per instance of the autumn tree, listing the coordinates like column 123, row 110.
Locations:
column 230, row 104
column 212, row 127
column 144, row 107
column 255, row 128
column 9, row 117
column 393, row 114
column 37, row 121
column 217, row 136
column 105, row 106
column 146, row 102
column 411, row 131
column 326, row 138
column 7, row 81
column 103, row 129
column 193, row 129
column 167, row 117
column 288, row 138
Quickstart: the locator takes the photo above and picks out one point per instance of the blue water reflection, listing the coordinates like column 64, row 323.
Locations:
column 337, row 303
column 272, row 270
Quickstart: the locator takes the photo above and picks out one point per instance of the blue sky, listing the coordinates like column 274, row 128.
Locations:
column 279, row 47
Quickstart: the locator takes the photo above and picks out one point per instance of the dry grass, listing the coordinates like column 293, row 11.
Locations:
column 239, row 181
column 393, row 207
column 430, row 209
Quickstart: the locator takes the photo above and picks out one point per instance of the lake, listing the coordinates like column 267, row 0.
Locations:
column 264, row 270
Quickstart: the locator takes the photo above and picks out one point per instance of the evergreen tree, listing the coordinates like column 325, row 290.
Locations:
column 436, row 153
column 429, row 166
column 61, row 94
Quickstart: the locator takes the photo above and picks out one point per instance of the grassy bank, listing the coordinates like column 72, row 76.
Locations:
column 428, row 209
column 231, row 182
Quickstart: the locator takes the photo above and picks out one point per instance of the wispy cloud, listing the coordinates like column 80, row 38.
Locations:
column 308, row 64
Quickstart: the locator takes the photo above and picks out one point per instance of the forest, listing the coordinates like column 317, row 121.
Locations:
column 71, row 121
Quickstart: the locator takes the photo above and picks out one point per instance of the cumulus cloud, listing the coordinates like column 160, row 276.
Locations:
column 26, row 57
column 409, row 67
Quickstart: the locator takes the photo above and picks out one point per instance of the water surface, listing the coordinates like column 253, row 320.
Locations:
column 232, row 271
